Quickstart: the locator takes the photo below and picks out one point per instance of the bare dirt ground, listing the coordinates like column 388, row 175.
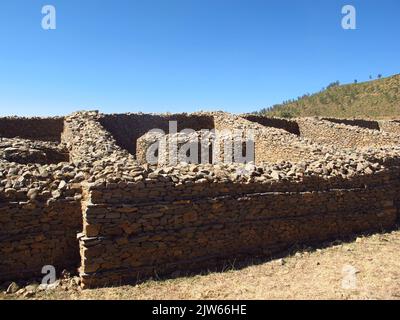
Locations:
column 366, row 268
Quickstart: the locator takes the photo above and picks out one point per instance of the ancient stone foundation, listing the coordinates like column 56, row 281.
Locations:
column 79, row 192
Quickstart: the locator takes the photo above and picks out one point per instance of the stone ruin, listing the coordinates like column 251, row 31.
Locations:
column 76, row 192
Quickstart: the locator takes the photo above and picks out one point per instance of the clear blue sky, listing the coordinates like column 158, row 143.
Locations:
column 186, row 55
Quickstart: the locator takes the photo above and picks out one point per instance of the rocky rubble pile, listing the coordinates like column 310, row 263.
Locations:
column 323, row 161
column 34, row 287
column 34, row 182
column 343, row 166
column 88, row 141
column 97, row 160
column 25, row 151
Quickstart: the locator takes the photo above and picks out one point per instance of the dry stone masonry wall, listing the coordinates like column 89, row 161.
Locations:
column 43, row 129
column 40, row 214
column 27, row 151
column 102, row 208
column 367, row 124
column 344, row 136
column 285, row 124
column 128, row 128
column 390, row 126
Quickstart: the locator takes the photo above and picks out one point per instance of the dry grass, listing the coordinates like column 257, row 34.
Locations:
column 310, row 274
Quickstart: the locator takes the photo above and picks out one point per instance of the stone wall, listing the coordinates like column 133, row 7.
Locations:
column 157, row 227
column 279, row 123
column 148, row 145
column 40, row 199
column 344, row 136
column 390, row 126
column 134, row 220
column 27, row 151
column 270, row 144
column 159, row 220
column 266, row 144
column 367, row 124
column 128, row 128
column 44, row 129
column 40, row 216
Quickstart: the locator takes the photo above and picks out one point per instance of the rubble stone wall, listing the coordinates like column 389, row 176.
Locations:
column 27, row 151
column 271, row 144
column 256, row 141
column 40, row 199
column 44, row 129
column 155, row 228
column 40, row 216
column 279, row 123
column 32, row 237
column 128, row 128
column 367, row 124
column 134, row 220
column 390, row 126
column 344, row 136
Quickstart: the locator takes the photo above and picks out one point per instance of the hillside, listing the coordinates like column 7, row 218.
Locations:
column 372, row 99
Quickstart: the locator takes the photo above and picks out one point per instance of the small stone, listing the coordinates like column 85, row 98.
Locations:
column 275, row 175
column 32, row 194
column 30, row 290
column 56, row 194
column 79, row 177
column 53, row 285
column 43, row 173
column 42, row 287
column 360, row 166
column 28, row 294
column 368, row 171
column 12, row 288
column 62, row 185
column 65, row 274
column 21, row 291
column 152, row 175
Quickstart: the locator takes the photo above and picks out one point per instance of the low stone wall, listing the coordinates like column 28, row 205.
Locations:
column 128, row 128
column 34, row 236
column 271, row 144
column 136, row 220
column 27, row 151
column 148, row 145
column 133, row 231
column 279, row 123
column 40, row 216
column 195, row 147
column 44, row 129
column 390, row 126
column 344, row 136
column 367, row 124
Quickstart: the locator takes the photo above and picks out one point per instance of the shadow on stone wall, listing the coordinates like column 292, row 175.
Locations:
column 128, row 128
